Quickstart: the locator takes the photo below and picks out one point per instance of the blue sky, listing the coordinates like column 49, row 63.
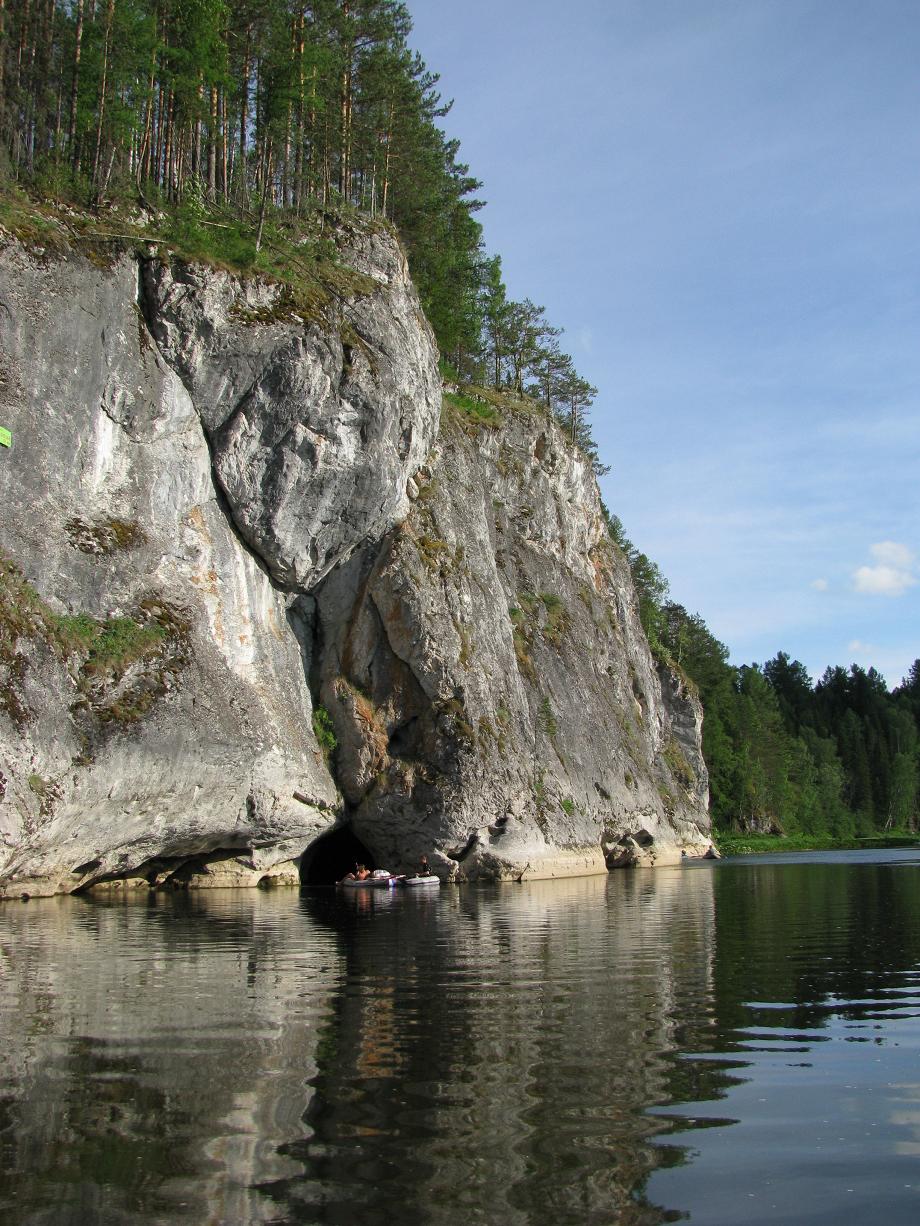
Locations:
column 719, row 201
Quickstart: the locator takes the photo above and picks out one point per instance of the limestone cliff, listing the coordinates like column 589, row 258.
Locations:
column 220, row 513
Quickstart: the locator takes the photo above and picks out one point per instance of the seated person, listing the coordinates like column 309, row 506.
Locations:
column 361, row 873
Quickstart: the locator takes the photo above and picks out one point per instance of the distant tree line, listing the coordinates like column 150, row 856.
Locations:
column 839, row 757
column 267, row 109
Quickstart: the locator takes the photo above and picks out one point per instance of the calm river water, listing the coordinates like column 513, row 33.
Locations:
column 731, row 1043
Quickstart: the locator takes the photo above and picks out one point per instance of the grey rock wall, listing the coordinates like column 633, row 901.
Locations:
column 217, row 513
column 135, row 490
column 491, row 686
column 313, row 429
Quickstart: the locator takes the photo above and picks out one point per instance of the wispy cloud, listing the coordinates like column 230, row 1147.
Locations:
column 820, row 585
column 585, row 337
column 892, row 574
column 890, row 553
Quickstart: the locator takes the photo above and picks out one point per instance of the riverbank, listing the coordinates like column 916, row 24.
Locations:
column 733, row 844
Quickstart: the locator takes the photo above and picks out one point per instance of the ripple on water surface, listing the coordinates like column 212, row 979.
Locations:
column 802, row 1105
column 734, row 1041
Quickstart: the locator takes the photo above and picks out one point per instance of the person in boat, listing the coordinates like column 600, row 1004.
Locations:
column 361, row 873
column 423, row 868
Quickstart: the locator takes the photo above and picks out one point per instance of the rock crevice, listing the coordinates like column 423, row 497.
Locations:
column 220, row 516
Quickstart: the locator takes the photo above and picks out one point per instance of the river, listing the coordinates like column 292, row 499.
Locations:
column 718, row 1042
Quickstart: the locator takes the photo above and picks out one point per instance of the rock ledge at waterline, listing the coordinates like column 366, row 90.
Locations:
column 262, row 516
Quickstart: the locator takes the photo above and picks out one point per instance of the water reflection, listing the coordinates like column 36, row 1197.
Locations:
column 154, row 1054
column 814, row 1055
column 582, row 1051
column 249, row 1057
column 493, row 1060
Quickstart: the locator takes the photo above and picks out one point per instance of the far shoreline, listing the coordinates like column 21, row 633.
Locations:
column 731, row 843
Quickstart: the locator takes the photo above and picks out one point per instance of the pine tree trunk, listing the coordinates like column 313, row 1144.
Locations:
column 299, row 135
column 161, row 130
column 327, row 166
column 59, row 85
column 386, row 160
column 2, row 65
column 196, row 145
column 266, row 178
column 311, row 160
column 212, row 146
column 244, row 120
column 30, row 108
column 345, row 104
column 224, row 150
column 103, row 86
column 146, row 147
column 179, row 155
column 345, row 162
column 58, row 119
column 18, row 110
column 23, row 38
column 168, row 142
column 43, row 77
column 108, row 173
column 74, row 90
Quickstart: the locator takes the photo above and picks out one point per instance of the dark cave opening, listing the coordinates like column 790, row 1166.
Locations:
column 332, row 856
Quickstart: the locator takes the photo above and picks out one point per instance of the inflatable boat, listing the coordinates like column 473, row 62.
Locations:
column 387, row 882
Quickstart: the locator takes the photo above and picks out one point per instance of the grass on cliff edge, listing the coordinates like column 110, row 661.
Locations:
column 477, row 407
column 298, row 253
column 734, row 844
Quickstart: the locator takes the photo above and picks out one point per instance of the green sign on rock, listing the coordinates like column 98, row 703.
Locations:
column 6, row 439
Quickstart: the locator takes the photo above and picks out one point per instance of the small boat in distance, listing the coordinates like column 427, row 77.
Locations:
column 431, row 882
column 387, row 882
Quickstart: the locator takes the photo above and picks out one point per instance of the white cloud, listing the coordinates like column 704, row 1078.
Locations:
column 893, row 573
column 882, row 581
column 890, row 553
column 820, row 585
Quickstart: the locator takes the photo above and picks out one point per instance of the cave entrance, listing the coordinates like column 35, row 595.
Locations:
column 332, row 856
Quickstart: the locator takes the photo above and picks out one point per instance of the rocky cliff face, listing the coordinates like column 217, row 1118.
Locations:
column 219, row 516
column 488, row 676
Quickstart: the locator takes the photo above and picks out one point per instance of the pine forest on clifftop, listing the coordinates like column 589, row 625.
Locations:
column 242, row 132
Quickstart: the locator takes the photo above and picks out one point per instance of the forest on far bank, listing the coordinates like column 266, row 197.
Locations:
column 251, row 124
column 838, row 758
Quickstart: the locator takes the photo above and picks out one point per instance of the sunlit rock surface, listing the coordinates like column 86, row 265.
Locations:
column 313, row 431
column 260, row 514
column 491, row 686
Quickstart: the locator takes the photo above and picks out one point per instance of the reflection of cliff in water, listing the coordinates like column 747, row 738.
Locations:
column 479, row 1054
column 153, row 1053
column 240, row 1056
column 492, row 1052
